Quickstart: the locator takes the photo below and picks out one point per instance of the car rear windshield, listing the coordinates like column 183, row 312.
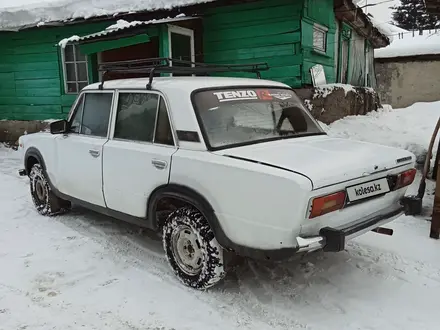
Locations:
column 240, row 116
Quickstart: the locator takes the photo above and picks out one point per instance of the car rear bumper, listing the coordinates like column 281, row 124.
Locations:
column 334, row 239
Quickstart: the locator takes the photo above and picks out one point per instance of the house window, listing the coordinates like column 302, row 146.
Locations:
column 75, row 70
column 320, row 38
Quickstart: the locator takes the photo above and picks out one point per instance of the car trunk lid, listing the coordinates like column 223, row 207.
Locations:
column 324, row 160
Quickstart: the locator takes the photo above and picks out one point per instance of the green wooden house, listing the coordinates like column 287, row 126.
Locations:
column 41, row 71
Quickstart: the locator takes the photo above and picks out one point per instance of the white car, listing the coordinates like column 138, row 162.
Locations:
column 214, row 164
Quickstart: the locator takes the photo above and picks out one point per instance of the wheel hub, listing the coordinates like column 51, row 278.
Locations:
column 186, row 249
column 40, row 190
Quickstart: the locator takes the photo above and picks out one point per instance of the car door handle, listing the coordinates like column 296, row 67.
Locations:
column 94, row 153
column 159, row 164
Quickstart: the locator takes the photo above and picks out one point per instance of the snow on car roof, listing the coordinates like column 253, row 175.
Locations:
column 187, row 84
column 31, row 12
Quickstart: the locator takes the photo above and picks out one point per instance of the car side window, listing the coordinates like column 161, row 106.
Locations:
column 96, row 114
column 136, row 116
column 164, row 134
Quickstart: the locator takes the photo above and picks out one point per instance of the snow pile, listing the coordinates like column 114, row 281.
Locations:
column 66, row 10
column 409, row 45
column 410, row 128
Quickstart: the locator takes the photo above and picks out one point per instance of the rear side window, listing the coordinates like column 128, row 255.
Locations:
column 136, row 116
column 143, row 117
column 92, row 114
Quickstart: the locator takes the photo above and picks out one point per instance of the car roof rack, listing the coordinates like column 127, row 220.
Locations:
column 152, row 66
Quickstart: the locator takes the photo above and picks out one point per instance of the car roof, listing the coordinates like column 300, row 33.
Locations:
column 188, row 84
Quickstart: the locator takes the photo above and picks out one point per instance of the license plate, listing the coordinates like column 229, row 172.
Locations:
column 368, row 189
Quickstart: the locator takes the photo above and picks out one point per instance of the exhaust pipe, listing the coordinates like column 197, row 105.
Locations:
column 384, row 231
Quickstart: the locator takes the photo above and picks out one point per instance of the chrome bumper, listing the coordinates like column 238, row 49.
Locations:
column 333, row 239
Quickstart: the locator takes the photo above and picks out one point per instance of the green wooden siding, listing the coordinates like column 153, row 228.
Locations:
column 31, row 78
column 321, row 12
column 263, row 31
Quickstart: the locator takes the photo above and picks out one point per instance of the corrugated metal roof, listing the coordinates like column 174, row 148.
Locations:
column 122, row 26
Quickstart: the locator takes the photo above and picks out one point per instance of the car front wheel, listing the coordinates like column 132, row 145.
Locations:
column 192, row 250
column 43, row 197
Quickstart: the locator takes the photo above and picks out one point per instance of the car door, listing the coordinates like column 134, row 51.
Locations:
column 137, row 158
column 79, row 153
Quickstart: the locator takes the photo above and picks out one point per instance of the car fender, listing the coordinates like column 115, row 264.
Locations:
column 40, row 146
column 257, row 206
column 188, row 195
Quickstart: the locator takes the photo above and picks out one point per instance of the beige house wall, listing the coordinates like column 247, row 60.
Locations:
column 402, row 84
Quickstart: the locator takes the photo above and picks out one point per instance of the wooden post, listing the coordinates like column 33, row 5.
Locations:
column 435, row 221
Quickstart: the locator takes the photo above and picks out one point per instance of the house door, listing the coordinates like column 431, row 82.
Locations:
column 367, row 66
column 181, row 44
column 344, row 61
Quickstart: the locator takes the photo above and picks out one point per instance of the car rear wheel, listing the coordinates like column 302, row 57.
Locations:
column 43, row 197
column 192, row 250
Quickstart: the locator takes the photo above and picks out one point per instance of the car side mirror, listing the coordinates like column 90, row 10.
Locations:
column 58, row 127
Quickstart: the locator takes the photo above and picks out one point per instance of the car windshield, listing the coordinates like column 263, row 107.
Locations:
column 241, row 116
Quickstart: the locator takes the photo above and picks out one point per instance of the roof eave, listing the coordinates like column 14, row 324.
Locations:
column 346, row 10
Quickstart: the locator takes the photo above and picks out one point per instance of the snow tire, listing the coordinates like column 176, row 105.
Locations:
column 212, row 268
column 43, row 197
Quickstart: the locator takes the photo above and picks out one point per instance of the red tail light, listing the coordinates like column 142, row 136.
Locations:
column 405, row 178
column 329, row 203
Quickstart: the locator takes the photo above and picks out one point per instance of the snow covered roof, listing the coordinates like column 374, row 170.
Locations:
column 407, row 44
column 47, row 11
column 386, row 28
column 122, row 25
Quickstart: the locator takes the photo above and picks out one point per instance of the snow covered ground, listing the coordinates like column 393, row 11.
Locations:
column 86, row 271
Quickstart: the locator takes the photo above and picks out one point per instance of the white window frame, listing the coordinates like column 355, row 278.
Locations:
column 77, row 82
column 183, row 31
column 320, row 29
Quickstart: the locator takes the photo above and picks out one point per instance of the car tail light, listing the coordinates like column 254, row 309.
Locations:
column 325, row 204
column 405, row 178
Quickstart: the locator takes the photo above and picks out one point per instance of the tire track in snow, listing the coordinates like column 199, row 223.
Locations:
column 372, row 261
